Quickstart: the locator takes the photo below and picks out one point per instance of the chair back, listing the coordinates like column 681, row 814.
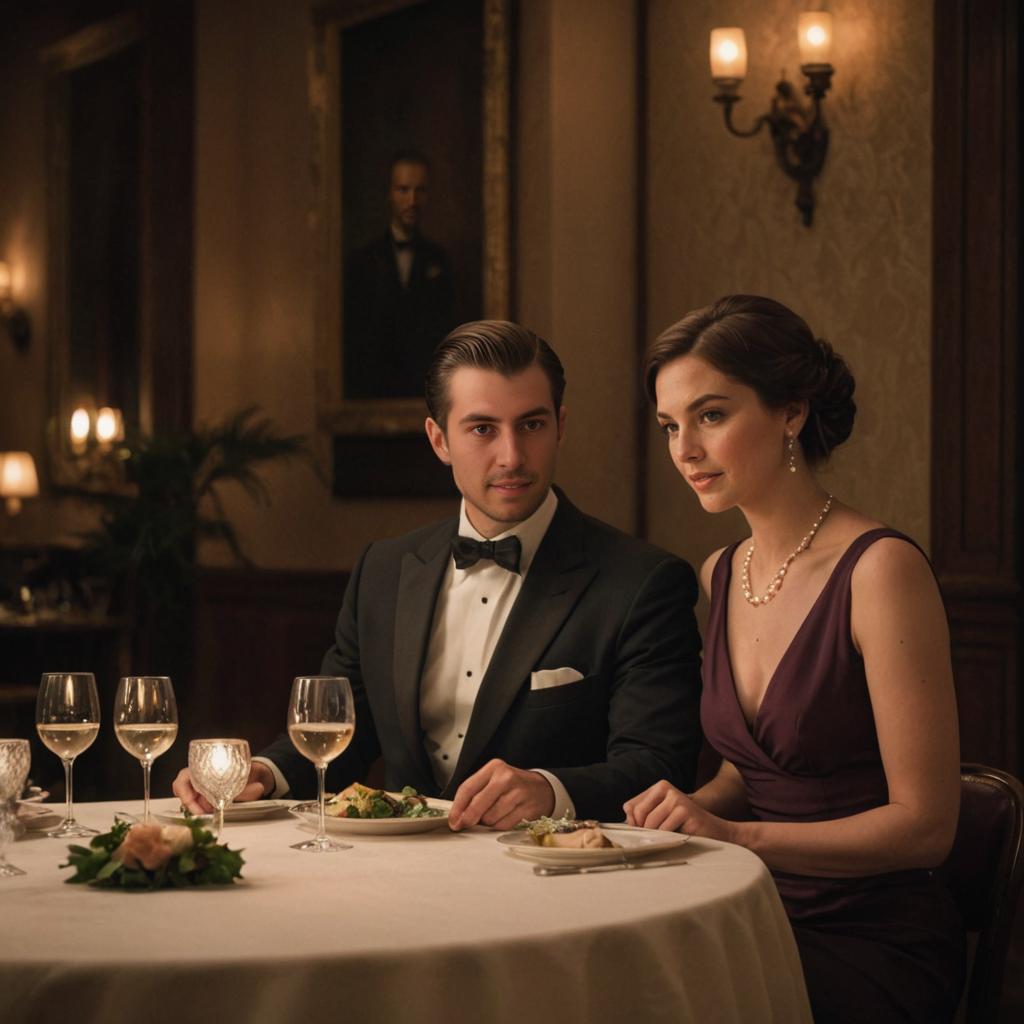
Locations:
column 984, row 872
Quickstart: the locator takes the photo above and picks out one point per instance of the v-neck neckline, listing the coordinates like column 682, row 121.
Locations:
column 752, row 726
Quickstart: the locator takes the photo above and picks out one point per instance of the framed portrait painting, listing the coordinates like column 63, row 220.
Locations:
column 411, row 163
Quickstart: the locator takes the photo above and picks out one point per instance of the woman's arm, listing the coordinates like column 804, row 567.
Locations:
column 665, row 807
column 899, row 625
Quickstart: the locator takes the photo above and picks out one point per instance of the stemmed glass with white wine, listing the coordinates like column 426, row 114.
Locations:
column 321, row 722
column 219, row 770
column 68, row 722
column 145, row 721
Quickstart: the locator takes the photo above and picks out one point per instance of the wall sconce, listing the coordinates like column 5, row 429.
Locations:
column 102, row 431
column 14, row 318
column 17, row 479
column 797, row 129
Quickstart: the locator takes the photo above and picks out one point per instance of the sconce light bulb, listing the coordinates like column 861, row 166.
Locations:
column 814, row 36
column 80, row 426
column 728, row 55
column 107, row 425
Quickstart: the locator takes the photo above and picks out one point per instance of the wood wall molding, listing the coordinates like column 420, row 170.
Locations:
column 976, row 386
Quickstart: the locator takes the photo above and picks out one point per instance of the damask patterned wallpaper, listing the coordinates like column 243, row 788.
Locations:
column 722, row 219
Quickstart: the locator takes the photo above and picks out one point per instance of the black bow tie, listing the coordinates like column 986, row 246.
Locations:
column 505, row 552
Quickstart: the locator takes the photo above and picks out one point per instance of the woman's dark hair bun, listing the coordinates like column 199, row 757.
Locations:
column 832, row 408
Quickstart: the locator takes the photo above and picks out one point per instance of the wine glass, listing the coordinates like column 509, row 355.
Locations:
column 15, row 758
column 220, row 770
column 145, row 721
column 321, row 721
column 68, row 722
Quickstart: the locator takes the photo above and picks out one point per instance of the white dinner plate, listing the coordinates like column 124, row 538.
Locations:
column 632, row 844
column 245, row 810
column 37, row 817
column 309, row 814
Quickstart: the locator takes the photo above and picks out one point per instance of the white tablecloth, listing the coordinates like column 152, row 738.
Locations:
column 437, row 928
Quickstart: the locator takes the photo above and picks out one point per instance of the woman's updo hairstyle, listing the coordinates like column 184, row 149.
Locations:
column 767, row 347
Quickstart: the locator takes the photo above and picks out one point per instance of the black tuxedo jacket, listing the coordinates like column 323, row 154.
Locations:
column 391, row 329
column 616, row 609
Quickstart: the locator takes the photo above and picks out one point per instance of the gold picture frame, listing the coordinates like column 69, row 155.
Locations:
column 336, row 415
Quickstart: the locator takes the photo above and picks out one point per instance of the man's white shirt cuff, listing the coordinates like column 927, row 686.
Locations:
column 564, row 807
column 281, row 787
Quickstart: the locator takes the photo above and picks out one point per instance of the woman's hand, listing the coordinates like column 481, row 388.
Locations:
column 665, row 807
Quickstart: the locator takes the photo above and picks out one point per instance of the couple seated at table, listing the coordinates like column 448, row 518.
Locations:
column 558, row 673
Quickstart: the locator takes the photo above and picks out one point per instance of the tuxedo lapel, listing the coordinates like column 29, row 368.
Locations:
column 557, row 577
column 421, row 574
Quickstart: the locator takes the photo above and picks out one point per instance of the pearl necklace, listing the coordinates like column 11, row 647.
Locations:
column 776, row 584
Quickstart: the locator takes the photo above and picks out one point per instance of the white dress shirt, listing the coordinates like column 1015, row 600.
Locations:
column 472, row 607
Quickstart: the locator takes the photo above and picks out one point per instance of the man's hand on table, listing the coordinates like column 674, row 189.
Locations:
column 500, row 796
column 261, row 783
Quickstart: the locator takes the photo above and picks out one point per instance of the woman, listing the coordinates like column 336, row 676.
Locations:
column 827, row 681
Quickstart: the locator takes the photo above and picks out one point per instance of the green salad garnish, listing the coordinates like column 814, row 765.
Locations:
column 362, row 802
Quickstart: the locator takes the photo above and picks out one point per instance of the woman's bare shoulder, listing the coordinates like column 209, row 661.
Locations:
column 707, row 570
column 893, row 562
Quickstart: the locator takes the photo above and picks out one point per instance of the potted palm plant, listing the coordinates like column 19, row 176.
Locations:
column 145, row 544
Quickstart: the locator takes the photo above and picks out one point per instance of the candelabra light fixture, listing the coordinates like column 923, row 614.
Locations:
column 95, row 430
column 797, row 127
column 12, row 316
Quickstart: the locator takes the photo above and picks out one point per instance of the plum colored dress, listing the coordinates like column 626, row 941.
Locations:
column 879, row 948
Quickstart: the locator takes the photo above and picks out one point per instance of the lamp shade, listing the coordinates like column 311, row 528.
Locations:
column 18, row 479
column 814, row 32
column 728, row 54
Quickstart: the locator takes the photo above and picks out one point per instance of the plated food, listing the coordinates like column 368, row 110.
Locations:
column 358, row 801
column 626, row 843
column 566, row 833
column 361, row 810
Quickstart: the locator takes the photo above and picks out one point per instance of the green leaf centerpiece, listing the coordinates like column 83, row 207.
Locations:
column 150, row 856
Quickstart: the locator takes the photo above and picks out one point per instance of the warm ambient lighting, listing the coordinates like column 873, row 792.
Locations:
column 17, row 479
column 80, row 424
column 814, row 33
column 728, row 55
column 797, row 128
column 107, row 428
column 14, row 319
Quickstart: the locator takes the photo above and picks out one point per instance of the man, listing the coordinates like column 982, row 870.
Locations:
column 399, row 298
column 559, row 673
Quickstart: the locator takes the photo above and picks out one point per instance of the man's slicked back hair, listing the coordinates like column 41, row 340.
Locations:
column 497, row 345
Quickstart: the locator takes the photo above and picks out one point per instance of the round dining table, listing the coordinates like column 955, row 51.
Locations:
column 428, row 928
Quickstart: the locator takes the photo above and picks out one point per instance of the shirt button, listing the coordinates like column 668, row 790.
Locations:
column 461, row 736
column 483, row 600
column 468, row 672
column 444, row 757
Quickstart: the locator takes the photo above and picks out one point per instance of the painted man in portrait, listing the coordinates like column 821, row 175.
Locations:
column 399, row 295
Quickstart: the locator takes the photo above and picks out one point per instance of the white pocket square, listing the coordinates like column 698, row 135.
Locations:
column 550, row 677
